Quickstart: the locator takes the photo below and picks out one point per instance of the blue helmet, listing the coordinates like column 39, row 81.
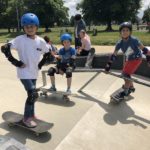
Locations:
column 66, row 36
column 29, row 19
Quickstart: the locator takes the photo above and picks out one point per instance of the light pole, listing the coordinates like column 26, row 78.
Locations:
column 18, row 21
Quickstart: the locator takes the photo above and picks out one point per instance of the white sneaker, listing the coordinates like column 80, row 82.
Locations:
column 30, row 123
column 68, row 91
column 87, row 66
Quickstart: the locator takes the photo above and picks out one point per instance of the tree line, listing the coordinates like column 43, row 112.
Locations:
column 53, row 12
column 49, row 12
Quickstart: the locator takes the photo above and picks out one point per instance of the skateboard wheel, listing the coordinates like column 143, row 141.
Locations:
column 45, row 94
column 66, row 99
column 113, row 101
column 41, row 94
column 37, row 134
column 10, row 124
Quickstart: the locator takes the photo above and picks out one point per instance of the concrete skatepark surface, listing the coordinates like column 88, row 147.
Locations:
column 88, row 122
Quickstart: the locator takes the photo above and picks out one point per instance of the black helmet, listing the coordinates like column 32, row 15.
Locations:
column 77, row 17
column 125, row 25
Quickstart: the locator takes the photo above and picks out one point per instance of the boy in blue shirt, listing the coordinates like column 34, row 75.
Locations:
column 65, row 62
column 131, row 48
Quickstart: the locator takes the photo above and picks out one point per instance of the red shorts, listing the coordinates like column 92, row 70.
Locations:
column 131, row 66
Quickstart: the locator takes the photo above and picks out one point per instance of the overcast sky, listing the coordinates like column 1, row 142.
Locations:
column 72, row 5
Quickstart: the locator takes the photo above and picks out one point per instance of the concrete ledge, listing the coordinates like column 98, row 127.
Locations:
column 100, row 61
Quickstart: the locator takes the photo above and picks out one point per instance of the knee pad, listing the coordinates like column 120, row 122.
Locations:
column 69, row 73
column 51, row 71
column 92, row 50
column 32, row 97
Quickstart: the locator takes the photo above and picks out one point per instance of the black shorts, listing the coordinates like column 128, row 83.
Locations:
column 84, row 53
column 63, row 67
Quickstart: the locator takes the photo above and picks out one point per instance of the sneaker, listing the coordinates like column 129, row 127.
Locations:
column 52, row 89
column 68, row 91
column 88, row 66
column 131, row 89
column 30, row 123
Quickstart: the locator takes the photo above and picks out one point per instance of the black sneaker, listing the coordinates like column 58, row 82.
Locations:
column 52, row 89
column 131, row 89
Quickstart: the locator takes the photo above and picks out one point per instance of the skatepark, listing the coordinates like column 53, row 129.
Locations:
column 88, row 121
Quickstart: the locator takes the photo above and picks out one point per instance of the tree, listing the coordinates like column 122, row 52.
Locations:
column 106, row 11
column 10, row 12
column 146, row 16
column 72, row 21
column 48, row 11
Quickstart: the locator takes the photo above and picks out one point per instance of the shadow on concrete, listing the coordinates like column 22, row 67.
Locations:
column 56, row 99
column 22, row 134
column 117, row 112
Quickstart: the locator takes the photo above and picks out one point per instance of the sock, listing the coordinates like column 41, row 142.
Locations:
column 126, row 91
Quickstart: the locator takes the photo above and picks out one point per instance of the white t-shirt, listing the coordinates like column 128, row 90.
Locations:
column 29, row 52
column 86, row 43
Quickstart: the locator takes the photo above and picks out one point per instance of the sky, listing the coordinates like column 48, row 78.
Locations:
column 72, row 5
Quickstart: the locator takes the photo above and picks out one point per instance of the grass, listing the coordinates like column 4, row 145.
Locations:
column 102, row 38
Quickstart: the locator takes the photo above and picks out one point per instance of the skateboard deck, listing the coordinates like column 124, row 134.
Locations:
column 112, row 96
column 90, row 57
column 65, row 95
column 15, row 119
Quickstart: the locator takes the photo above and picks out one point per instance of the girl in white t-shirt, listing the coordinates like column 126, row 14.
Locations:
column 86, row 44
column 29, row 47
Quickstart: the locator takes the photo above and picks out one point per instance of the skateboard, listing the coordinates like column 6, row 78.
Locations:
column 65, row 95
column 90, row 58
column 15, row 119
column 113, row 96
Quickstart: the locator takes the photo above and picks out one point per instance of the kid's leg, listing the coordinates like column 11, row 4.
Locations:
column 32, row 96
column 129, row 68
column 51, row 73
column 69, row 79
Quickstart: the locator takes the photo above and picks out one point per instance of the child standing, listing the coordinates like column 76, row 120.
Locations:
column 131, row 47
column 65, row 62
column 29, row 47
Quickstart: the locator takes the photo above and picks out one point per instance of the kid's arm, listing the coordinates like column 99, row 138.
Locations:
column 146, row 52
column 43, row 60
column 7, row 52
column 112, row 58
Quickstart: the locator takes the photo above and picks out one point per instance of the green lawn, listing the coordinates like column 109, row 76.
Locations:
column 102, row 38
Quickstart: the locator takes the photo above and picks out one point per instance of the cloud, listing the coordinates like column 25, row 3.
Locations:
column 71, row 4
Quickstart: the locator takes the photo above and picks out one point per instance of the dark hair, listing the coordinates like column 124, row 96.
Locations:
column 77, row 17
column 46, row 38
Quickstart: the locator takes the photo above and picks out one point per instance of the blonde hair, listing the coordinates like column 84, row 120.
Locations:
column 83, row 31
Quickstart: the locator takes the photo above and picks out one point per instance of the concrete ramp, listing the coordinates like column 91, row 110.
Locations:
column 111, row 127
column 88, row 122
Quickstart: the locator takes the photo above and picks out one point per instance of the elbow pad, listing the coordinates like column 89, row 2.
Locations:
column 113, row 57
column 145, row 50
